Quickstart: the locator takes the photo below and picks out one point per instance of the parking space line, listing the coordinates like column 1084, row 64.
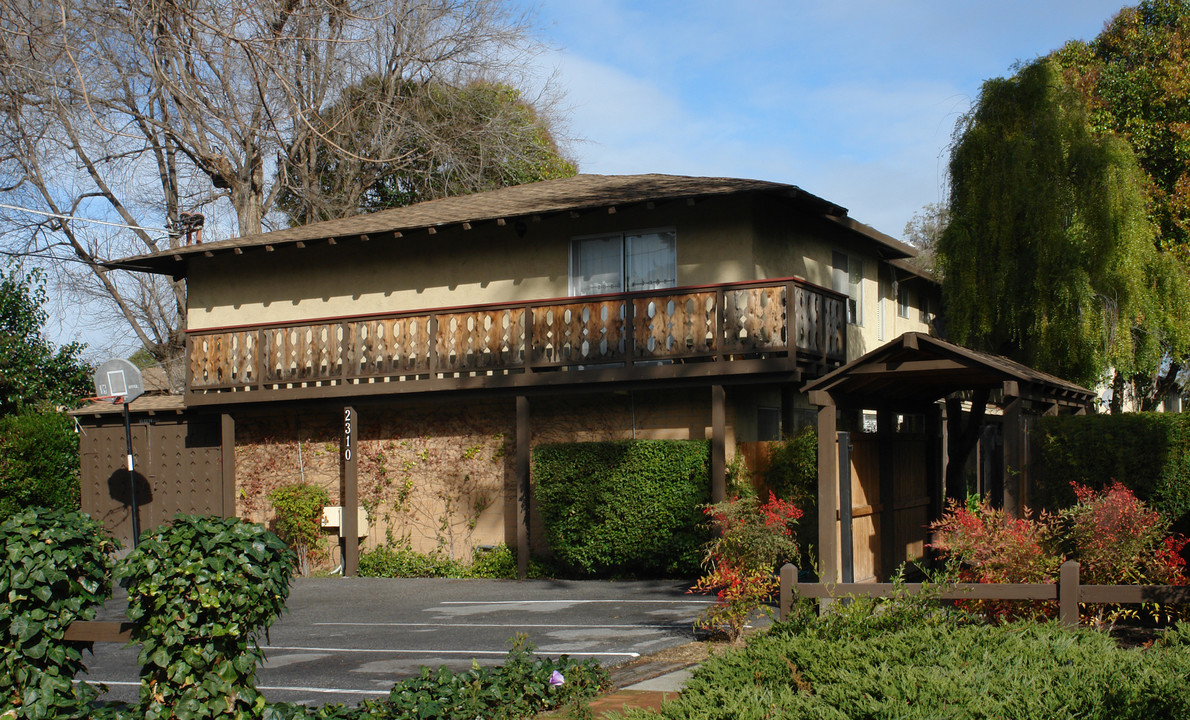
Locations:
column 671, row 626
column 576, row 602
column 270, row 688
column 395, row 651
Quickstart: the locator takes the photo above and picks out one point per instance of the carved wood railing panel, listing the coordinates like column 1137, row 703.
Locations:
column 578, row 333
column 754, row 320
column 225, row 359
column 709, row 324
column 388, row 347
column 674, row 326
column 480, row 340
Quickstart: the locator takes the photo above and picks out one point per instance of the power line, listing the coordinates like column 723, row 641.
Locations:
column 60, row 216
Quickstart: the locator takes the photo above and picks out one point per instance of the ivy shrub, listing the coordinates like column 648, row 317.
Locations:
column 56, row 569
column 39, row 462
column 1149, row 453
column 201, row 591
column 626, row 507
column 299, row 520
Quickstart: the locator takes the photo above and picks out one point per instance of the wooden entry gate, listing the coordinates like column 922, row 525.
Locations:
column 179, row 468
column 884, row 501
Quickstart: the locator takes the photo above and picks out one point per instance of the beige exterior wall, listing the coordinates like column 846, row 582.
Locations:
column 488, row 264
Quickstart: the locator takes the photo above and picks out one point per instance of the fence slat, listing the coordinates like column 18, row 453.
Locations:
column 97, row 631
column 1068, row 592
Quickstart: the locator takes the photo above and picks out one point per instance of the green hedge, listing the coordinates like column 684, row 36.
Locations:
column 39, row 462
column 627, row 507
column 1148, row 452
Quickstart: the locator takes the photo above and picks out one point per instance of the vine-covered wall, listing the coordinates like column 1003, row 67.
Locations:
column 440, row 476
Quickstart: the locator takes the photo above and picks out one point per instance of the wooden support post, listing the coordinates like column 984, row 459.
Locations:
column 788, row 391
column 718, row 444
column 523, row 487
column 349, row 523
column 886, row 429
column 227, row 451
column 846, row 521
column 1068, row 593
column 935, row 460
column 828, row 495
column 788, row 577
column 1013, row 471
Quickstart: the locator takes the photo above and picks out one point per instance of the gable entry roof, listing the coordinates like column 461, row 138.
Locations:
column 576, row 194
column 916, row 369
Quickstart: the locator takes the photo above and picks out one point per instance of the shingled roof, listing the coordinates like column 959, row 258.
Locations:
column 573, row 194
column 918, row 368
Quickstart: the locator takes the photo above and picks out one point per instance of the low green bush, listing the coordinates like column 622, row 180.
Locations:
column 401, row 561
column 627, row 507
column 519, row 688
column 299, row 521
column 201, row 591
column 873, row 661
column 39, row 462
column 56, row 569
column 1149, row 453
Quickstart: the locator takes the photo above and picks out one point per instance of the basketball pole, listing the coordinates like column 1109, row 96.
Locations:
column 131, row 477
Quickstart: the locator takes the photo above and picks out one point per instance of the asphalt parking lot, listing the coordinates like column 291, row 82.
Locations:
column 349, row 639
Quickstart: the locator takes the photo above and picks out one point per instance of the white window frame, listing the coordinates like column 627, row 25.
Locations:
column 903, row 300
column 842, row 275
column 572, row 286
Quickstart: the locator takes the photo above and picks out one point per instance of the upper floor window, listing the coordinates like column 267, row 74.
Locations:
column 848, row 278
column 902, row 300
column 628, row 261
column 925, row 308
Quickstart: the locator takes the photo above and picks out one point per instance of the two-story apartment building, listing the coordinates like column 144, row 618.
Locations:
column 459, row 333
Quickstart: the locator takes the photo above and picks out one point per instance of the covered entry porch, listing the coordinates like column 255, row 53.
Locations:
column 879, row 490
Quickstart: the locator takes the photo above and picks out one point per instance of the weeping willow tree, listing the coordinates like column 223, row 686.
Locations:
column 1050, row 257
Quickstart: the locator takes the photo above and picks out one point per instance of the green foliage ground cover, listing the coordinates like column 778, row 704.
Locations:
column 401, row 561
column 619, row 508
column 904, row 660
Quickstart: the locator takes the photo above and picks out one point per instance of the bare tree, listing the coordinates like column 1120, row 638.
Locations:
column 135, row 112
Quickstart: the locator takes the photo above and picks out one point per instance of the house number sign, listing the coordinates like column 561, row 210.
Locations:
column 348, row 433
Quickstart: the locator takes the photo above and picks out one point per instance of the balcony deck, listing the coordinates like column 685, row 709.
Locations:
column 691, row 332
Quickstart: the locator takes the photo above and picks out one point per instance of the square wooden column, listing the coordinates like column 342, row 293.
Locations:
column 1014, row 478
column 349, row 490
column 523, row 487
column 718, row 444
column 227, row 451
column 828, row 489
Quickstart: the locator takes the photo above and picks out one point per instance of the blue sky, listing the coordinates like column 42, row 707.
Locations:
column 851, row 100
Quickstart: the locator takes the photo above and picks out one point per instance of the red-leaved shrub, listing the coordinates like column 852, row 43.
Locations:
column 751, row 538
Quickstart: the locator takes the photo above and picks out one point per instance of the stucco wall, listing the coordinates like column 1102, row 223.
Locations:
column 487, row 264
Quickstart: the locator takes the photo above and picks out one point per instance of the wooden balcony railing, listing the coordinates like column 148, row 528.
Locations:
column 709, row 323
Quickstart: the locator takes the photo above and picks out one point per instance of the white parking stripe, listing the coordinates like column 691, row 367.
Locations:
column 576, row 602
column 394, row 651
column 671, row 626
column 270, row 688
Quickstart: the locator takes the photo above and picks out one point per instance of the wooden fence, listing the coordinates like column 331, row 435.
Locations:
column 1067, row 592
